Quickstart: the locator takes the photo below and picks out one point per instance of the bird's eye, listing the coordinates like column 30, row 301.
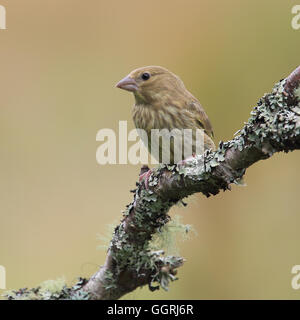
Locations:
column 145, row 76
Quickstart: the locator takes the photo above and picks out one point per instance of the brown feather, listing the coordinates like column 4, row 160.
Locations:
column 163, row 102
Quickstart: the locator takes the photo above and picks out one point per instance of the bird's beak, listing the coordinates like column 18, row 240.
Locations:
column 128, row 84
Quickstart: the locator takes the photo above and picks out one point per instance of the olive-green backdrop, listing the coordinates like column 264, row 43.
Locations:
column 59, row 62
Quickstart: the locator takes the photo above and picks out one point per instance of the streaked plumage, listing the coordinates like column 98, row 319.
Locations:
column 163, row 102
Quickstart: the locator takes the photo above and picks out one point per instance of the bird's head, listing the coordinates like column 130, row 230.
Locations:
column 151, row 84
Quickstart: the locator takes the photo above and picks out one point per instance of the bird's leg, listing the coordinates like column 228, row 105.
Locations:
column 144, row 175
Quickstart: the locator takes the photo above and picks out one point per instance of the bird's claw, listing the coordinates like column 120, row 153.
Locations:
column 144, row 176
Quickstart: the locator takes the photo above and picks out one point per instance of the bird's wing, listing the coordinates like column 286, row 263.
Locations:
column 201, row 117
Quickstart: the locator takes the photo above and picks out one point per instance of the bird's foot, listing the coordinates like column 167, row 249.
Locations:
column 144, row 176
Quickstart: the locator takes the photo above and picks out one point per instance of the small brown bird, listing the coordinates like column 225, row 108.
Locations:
column 163, row 102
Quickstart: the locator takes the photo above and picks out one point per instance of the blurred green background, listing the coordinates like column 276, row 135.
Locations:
column 59, row 62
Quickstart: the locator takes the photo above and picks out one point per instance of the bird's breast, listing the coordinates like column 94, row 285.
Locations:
column 149, row 117
column 144, row 117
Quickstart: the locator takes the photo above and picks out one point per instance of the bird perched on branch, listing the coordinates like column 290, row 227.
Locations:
column 163, row 102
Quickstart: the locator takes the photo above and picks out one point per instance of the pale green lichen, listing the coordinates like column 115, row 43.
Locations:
column 168, row 237
column 132, row 250
column 51, row 290
column 106, row 237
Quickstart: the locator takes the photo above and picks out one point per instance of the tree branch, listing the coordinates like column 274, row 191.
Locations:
column 274, row 126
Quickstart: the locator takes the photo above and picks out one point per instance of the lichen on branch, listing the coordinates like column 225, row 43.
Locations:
column 273, row 126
